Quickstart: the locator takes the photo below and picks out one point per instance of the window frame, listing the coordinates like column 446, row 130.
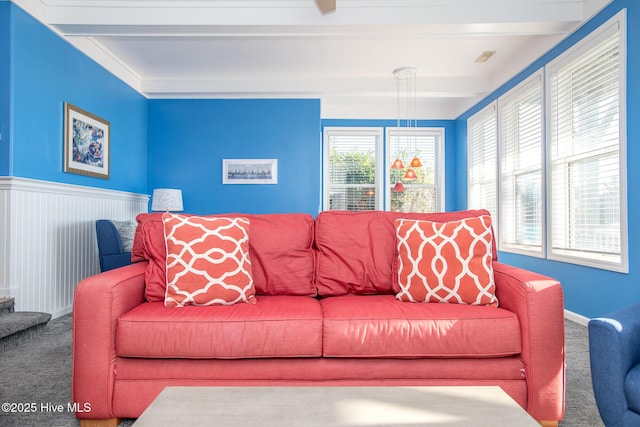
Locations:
column 504, row 101
column 383, row 162
column 379, row 164
column 599, row 259
column 489, row 111
column 438, row 132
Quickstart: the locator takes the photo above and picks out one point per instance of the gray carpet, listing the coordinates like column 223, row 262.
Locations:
column 38, row 373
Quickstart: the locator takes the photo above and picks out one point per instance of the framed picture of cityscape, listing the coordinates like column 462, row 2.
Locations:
column 86, row 143
column 250, row 171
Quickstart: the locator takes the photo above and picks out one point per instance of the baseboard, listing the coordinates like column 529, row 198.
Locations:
column 6, row 292
column 61, row 312
column 575, row 317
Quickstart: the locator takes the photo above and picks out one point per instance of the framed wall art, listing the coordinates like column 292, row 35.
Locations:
column 86, row 143
column 250, row 171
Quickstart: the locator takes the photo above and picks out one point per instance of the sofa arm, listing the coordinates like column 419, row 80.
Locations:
column 99, row 301
column 614, row 349
column 539, row 303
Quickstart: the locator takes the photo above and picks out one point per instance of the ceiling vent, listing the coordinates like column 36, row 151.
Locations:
column 484, row 56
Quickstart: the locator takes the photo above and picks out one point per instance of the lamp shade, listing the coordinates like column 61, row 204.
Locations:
column 166, row 199
column 398, row 188
column 397, row 164
column 409, row 175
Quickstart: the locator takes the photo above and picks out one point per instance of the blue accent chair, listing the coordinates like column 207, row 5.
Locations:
column 110, row 250
column 614, row 346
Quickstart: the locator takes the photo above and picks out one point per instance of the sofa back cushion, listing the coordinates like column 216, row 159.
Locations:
column 280, row 246
column 356, row 250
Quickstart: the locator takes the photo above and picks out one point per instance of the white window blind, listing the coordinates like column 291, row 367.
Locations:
column 520, row 114
column 425, row 194
column 482, row 137
column 586, row 152
column 352, row 169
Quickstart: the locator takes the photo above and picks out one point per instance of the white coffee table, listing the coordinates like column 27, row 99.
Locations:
column 334, row 406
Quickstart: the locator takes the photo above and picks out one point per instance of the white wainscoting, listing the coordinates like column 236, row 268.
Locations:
column 48, row 238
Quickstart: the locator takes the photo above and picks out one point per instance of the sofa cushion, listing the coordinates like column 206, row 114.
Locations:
column 382, row 326
column 446, row 262
column 356, row 250
column 208, row 261
column 282, row 256
column 278, row 326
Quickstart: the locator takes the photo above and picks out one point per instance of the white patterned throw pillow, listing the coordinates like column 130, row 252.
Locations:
column 447, row 262
column 207, row 260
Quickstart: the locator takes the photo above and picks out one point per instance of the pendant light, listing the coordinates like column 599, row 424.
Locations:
column 397, row 164
column 398, row 188
column 410, row 175
column 407, row 75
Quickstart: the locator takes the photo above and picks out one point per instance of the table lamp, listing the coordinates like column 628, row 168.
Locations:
column 166, row 199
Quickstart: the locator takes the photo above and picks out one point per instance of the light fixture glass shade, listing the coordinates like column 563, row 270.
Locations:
column 397, row 164
column 398, row 188
column 416, row 163
column 409, row 175
column 166, row 199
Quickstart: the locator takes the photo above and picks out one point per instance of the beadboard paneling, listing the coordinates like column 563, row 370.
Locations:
column 49, row 241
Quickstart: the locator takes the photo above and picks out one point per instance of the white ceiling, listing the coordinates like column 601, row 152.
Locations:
column 287, row 48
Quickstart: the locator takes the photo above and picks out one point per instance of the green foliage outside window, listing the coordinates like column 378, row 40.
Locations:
column 352, row 168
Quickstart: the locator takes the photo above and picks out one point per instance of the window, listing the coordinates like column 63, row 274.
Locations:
column 520, row 118
column 352, row 170
column 482, row 149
column 355, row 161
column 573, row 163
column 426, row 193
column 586, row 151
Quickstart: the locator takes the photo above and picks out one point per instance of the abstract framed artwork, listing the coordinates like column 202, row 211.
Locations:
column 250, row 171
column 86, row 143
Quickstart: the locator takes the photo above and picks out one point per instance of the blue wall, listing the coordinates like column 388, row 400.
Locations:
column 5, row 87
column 450, row 142
column 46, row 72
column 588, row 291
column 189, row 138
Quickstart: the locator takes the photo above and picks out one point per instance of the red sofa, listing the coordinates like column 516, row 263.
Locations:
column 326, row 314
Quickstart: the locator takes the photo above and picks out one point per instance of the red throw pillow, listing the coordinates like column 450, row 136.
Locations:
column 207, row 260
column 448, row 262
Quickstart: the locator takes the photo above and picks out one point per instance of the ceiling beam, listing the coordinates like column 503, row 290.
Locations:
column 292, row 86
column 301, row 12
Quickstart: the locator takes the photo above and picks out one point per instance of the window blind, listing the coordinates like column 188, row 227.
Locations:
column 425, row 193
column 585, row 152
column 352, row 170
column 482, row 136
column 521, row 137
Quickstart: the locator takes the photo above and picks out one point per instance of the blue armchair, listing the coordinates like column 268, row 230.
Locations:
column 111, row 251
column 614, row 346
